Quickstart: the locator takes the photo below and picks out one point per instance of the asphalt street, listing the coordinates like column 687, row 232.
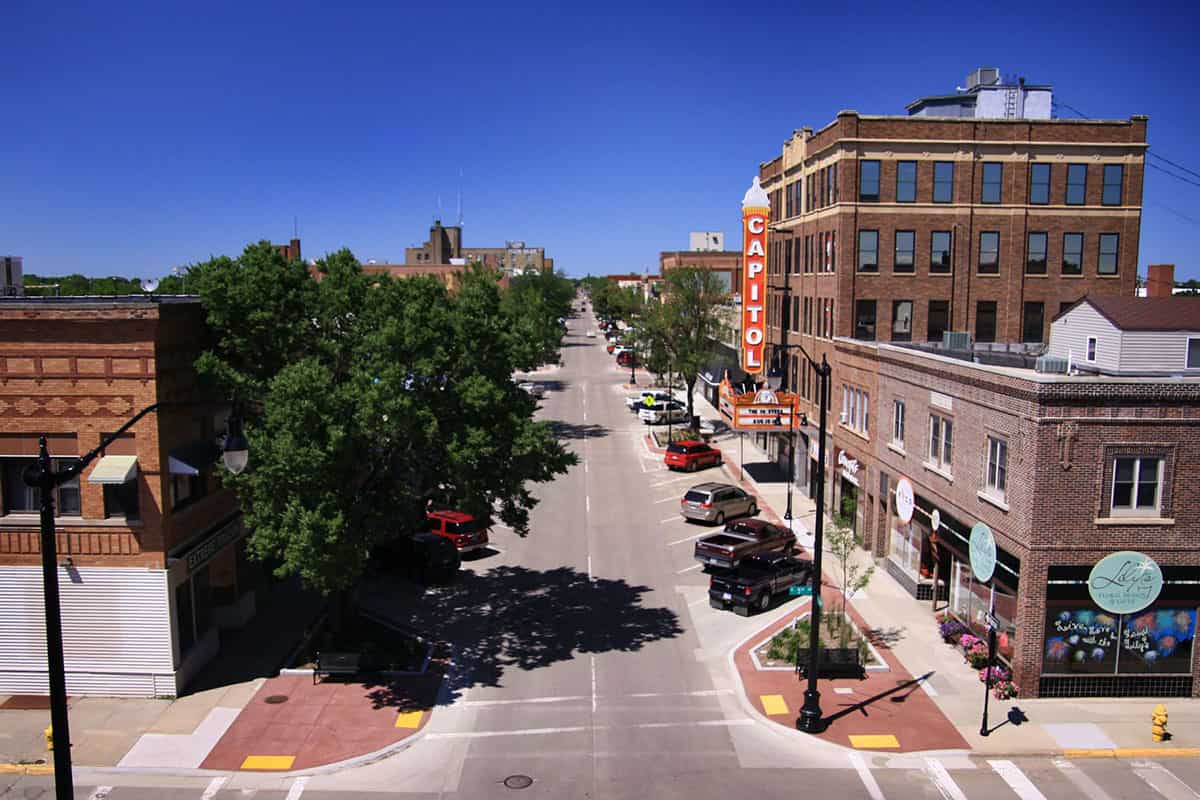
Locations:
column 588, row 661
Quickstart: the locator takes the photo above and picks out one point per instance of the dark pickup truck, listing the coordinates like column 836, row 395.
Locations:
column 743, row 538
column 756, row 581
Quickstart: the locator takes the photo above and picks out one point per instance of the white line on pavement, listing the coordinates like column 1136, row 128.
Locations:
column 100, row 793
column 672, row 499
column 1016, row 780
column 942, row 780
column 568, row 698
column 674, row 480
column 296, row 789
column 688, row 539
column 928, row 688
column 1082, row 780
column 697, row 602
column 675, row 518
column 587, row 502
column 688, row 569
column 522, row 732
column 593, row 659
column 1163, row 781
column 700, row 693
column 585, row 466
column 214, row 786
column 590, row 577
column 710, row 723
column 860, row 766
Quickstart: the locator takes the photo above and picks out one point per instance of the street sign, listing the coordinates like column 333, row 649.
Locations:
column 1125, row 582
column 991, row 620
column 904, row 500
column 983, row 552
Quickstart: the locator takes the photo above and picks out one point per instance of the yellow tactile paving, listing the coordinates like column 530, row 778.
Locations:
column 874, row 741
column 409, row 719
column 268, row 762
column 773, row 704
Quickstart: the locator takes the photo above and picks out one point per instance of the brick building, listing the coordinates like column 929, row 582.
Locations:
column 445, row 246
column 152, row 548
column 726, row 264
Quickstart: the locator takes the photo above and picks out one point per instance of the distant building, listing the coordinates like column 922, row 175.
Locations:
column 445, row 246
column 290, row 251
column 1129, row 336
column 725, row 264
column 12, row 279
column 987, row 96
column 706, row 240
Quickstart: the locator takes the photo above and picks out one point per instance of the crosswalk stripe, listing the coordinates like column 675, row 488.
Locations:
column 860, row 766
column 1082, row 780
column 214, row 786
column 296, row 789
column 942, row 780
column 1163, row 781
column 1016, row 780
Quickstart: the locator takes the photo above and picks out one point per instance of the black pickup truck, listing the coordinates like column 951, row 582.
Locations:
column 743, row 538
column 756, row 581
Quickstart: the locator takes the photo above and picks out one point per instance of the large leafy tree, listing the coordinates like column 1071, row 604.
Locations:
column 532, row 305
column 365, row 398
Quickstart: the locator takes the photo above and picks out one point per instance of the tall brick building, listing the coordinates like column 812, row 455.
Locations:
column 151, row 548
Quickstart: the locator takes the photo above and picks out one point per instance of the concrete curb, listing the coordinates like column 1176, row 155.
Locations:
column 26, row 769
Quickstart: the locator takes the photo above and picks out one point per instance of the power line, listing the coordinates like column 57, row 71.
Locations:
column 1172, row 163
column 1179, row 214
column 1148, row 151
column 1173, row 175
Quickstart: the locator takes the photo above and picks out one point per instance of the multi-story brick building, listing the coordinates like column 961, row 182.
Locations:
column 152, row 549
column 725, row 264
column 445, row 246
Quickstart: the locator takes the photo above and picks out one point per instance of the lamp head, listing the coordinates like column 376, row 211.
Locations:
column 236, row 449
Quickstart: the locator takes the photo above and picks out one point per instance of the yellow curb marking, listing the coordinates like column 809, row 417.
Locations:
column 409, row 719
column 268, row 762
column 26, row 769
column 874, row 741
column 1135, row 752
column 773, row 704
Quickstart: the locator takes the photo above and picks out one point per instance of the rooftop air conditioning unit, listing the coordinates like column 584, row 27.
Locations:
column 956, row 340
column 1052, row 364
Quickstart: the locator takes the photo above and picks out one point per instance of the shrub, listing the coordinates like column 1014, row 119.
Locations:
column 1005, row 690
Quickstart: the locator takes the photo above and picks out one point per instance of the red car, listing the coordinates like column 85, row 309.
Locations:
column 691, row 455
column 461, row 529
column 610, row 346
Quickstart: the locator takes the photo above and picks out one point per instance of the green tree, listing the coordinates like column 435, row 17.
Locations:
column 532, row 305
column 844, row 543
column 365, row 398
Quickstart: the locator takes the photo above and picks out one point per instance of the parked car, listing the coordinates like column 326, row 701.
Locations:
column 757, row 579
column 716, row 502
column 610, row 346
column 691, row 455
column 662, row 413
column 713, row 427
column 637, row 400
column 426, row 556
column 534, row 389
column 463, row 530
column 741, row 539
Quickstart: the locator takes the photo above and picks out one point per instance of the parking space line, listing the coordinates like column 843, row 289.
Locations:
column 673, row 480
column 297, row 789
column 1017, row 780
column 688, row 538
column 689, row 569
column 676, row 518
column 672, row 498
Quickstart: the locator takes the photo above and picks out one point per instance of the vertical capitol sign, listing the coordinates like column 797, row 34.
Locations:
column 756, row 213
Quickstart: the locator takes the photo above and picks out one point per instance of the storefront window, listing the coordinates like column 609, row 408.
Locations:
column 970, row 601
column 1090, row 641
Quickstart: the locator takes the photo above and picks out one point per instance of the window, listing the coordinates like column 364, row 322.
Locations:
column 1114, row 174
column 868, row 181
column 939, row 252
column 993, row 173
column 1193, row 354
column 902, row 320
column 121, row 500
column 941, row 441
column 1136, row 486
column 22, row 499
column 989, row 253
column 1031, row 322
column 1072, row 263
column 997, row 466
column 939, row 319
column 856, row 409
column 1076, row 184
column 864, row 319
column 905, row 251
column 943, row 181
column 1039, row 184
column 1091, row 348
column 831, row 251
column 807, row 310
column 1035, row 255
column 985, row 321
column 868, row 251
column 1109, row 245
column 184, row 623
column 906, row 181
column 898, row 423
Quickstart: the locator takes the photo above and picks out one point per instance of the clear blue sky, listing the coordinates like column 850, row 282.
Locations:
column 136, row 138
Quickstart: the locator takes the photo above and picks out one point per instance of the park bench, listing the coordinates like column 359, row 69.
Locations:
column 336, row 664
column 835, row 662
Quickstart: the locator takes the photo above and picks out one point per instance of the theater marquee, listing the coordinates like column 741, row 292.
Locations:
column 756, row 213
column 763, row 410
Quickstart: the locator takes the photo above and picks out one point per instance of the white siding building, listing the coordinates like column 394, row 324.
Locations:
column 1129, row 335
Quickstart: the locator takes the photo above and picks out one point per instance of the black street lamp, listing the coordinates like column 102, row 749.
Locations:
column 41, row 476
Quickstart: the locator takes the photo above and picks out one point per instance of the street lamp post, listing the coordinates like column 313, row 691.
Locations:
column 41, row 476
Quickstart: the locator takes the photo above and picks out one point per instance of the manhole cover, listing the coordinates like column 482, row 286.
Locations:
column 275, row 699
column 518, row 781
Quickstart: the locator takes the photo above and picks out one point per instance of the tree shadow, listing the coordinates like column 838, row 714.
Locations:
column 513, row 617
column 885, row 637
column 766, row 472
column 574, row 430
column 553, row 386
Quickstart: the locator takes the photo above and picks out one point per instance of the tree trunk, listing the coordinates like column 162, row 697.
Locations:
column 691, row 385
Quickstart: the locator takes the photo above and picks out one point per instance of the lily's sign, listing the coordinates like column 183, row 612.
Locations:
column 756, row 213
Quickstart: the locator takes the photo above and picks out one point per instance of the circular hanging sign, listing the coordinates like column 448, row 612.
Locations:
column 904, row 500
column 1125, row 582
column 983, row 552
column 935, row 520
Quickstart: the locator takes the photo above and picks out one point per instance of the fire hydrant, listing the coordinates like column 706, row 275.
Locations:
column 49, row 734
column 1158, row 723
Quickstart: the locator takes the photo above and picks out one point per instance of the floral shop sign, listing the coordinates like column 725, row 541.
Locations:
column 1125, row 582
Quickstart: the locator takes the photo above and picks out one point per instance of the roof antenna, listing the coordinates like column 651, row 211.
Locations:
column 460, row 209
column 295, row 227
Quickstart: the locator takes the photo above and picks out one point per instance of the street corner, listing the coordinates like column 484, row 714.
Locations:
column 886, row 711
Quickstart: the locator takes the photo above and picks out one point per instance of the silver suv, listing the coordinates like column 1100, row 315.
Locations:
column 716, row 502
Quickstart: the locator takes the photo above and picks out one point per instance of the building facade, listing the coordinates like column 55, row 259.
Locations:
column 151, row 547
column 445, row 246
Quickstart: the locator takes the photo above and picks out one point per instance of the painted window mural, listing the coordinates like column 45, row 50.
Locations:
column 1090, row 641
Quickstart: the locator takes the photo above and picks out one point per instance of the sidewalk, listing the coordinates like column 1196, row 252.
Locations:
column 947, row 711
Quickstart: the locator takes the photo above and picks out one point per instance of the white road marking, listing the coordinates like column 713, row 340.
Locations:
column 676, row 518
column 593, row 658
column 585, row 466
column 864, row 774
column 100, row 793
column 696, row 602
column 710, row 723
column 568, row 698
column 700, row 693
column 672, row 499
column 1081, row 780
column 942, row 780
column 688, row 569
column 928, row 688
column 522, row 732
column 1163, row 781
column 688, row 539
column 590, row 576
column 296, row 789
column 587, row 502
column 214, row 786
column 675, row 480
column 1016, row 780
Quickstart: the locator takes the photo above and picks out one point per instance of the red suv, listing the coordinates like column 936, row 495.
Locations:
column 691, row 455
column 459, row 528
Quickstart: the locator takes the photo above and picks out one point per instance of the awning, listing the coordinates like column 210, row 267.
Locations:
column 192, row 459
column 715, row 372
column 114, row 469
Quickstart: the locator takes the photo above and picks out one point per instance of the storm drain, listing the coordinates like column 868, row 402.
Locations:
column 518, row 781
column 275, row 699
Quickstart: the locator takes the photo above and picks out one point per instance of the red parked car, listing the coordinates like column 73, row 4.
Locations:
column 691, row 455
column 461, row 529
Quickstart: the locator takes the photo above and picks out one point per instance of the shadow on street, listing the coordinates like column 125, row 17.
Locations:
column 573, row 430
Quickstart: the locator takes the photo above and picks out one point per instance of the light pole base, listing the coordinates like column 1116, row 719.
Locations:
column 810, row 720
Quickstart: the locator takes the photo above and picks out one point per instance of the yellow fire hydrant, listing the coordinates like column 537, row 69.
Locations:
column 49, row 734
column 1158, row 723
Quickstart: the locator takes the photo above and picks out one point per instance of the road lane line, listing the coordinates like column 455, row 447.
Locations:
column 688, row 569
column 699, row 693
column 593, row 684
column 672, row 499
column 519, row 732
column 864, row 774
column 942, row 780
column 1081, row 779
column 590, row 576
column 296, row 789
column 1163, row 781
column 1017, row 780
column 710, row 723
column 566, row 698
column 214, row 786
column 689, row 538
column 587, row 502
column 585, row 466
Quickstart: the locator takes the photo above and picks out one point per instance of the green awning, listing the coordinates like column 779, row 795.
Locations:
column 194, row 458
column 114, row 469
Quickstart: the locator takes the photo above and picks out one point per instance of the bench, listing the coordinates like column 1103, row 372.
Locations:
column 835, row 662
column 336, row 664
